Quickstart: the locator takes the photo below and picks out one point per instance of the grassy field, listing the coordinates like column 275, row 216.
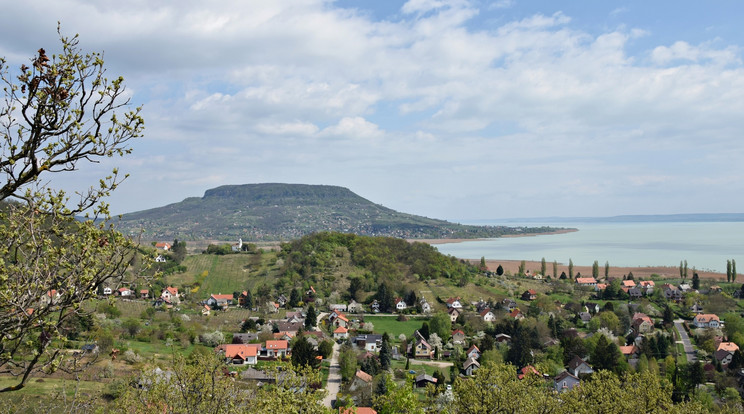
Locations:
column 226, row 274
column 46, row 392
column 394, row 327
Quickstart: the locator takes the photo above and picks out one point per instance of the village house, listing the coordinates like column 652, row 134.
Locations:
column 635, row 292
column 473, row 352
column 647, row 286
column 400, row 304
column 586, row 281
column 341, row 307
column 277, row 349
column 469, row 366
column 375, row 306
column 529, row 295
column 340, row 333
column 454, row 303
column 578, row 366
column 487, row 315
column 628, row 284
column 425, row 306
column 696, row 308
column 144, row 293
column 163, row 246
column 237, row 247
column 585, row 317
column 242, row 354
column 422, row 380
column 706, row 320
column 502, row 338
column 592, row 307
column 355, row 307
column 107, row 290
column 170, row 295
column 124, row 292
column 453, row 313
column 458, row 337
column 671, row 292
column 369, row 342
column 219, row 301
column 516, row 314
column 361, row 381
column 642, row 323
column 723, row 356
column 528, row 370
column 565, row 381
column 508, row 304
column 160, row 259
column 421, row 348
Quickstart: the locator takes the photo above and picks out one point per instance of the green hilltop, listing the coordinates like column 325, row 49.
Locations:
column 271, row 212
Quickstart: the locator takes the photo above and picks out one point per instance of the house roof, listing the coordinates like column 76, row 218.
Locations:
column 563, row 375
column 457, row 331
column 222, row 297
column 363, row 376
column 453, row 310
column 172, row 290
column 277, row 344
column 485, row 312
column 629, row 283
column 470, row 361
column 706, row 317
column 121, row 289
column 628, row 349
column 426, row 377
column 531, row 292
column 586, row 280
column 340, row 329
column 357, row 410
column 728, row 346
column 163, row 245
column 529, row 369
column 240, row 350
column 601, row 286
column 575, row 363
column 453, row 300
column 646, row 283
column 642, row 317
column 515, row 313
column 473, row 347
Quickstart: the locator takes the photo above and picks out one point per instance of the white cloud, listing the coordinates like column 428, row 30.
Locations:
column 353, row 128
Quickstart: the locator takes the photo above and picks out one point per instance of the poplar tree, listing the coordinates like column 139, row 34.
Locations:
column 595, row 270
column 728, row 271
column 607, row 270
column 543, row 267
column 570, row 269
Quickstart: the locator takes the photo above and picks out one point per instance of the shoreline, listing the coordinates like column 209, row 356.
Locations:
column 445, row 241
column 639, row 272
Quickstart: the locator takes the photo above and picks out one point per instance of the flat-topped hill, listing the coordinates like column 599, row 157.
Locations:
column 256, row 212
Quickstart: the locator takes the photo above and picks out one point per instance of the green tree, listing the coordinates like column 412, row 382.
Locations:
column 325, row 348
column 294, row 298
column 570, row 269
column 483, row 266
column 733, row 271
column 543, row 267
column 132, row 326
column 522, row 265
column 441, row 324
column 303, row 353
column 555, row 269
column 606, row 355
column 178, row 251
column 399, row 399
column 607, row 270
column 57, row 114
column 248, row 299
column 728, row 271
column 695, row 281
column 385, row 352
column 500, row 270
column 681, row 270
column 595, row 270
column 310, row 317
column 685, row 270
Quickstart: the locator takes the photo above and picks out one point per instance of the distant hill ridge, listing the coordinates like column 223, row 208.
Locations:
column 256, row 212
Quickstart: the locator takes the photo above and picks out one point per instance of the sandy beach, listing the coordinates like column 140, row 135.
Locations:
column 442, row 241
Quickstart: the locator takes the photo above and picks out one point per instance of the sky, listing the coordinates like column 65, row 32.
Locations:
column 452, row 109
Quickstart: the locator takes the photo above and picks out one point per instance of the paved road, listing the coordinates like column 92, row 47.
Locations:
column 333, row 386
column 689, row 349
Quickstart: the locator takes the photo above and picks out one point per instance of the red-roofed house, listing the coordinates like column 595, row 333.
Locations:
column 163, row 245
column 641, row 323
column 454, row 303
column 728, row 346
column 487, row 315
column 124, row 292
column 357, row 410
column 170, row 294
column 706, row 320
column 528, row 370
column 241, row 353
column 516, row 314
column 219, row 301
column 277, row 348
column 340, row 333
column 629, row 284
column 529, row 295
column 400, row 304
column 586, row 281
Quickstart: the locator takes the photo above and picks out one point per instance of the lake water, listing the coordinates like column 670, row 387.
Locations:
column 705, row 245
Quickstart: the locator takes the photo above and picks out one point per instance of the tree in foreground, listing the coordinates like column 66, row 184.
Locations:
column 200, row 386
column 57, row 114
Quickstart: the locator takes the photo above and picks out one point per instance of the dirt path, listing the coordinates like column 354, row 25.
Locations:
column 333, row 386
column 438, row 364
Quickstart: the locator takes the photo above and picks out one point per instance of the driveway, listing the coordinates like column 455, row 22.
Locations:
column 689, row 349
column 333, row 386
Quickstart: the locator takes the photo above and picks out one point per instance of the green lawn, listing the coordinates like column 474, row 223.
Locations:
column 394, row 327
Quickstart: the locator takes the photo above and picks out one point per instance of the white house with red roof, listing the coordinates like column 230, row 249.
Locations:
column 219, row 301
column 400, row 304
column 170, row 294
column 487, row 315
column 340, row 333
column 277, row 348
column 586, row 281
column 454, row 303
column 706, row 320
column 163, row 246
column 243, row 354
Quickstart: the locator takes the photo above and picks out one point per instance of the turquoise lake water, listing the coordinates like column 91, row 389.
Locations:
column 705, row 245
